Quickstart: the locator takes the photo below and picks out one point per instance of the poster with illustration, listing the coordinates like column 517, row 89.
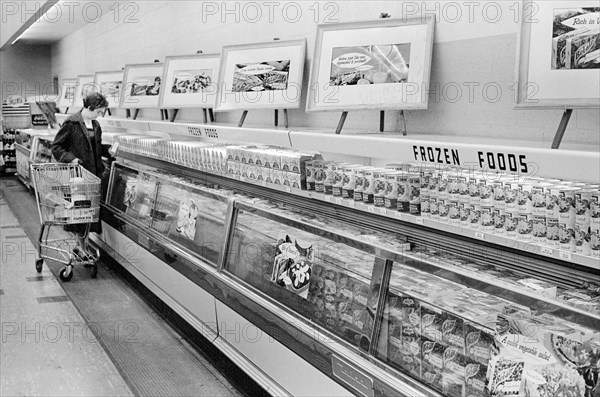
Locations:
column 85, row 86
column 292, row 265
column 268, row 75
column 67, row 94
column 559, row 55
column 109, row 84
column 261, row 76
column 576, row 38
column 141, row 85
column 190, row 81
column 187, row 216
column 382, row 64
column 372, row 64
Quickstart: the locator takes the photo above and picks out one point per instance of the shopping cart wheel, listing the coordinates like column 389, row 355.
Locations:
column 66, row 273
column 38, row 265
column 94, row 270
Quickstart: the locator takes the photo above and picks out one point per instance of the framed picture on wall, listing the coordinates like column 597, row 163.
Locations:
column 67, row 93
column 190, row 81
column 381, row 64
column 141, row 85
column 109, row 84
column 261, row 76
column 558, row 55
column 85, row 85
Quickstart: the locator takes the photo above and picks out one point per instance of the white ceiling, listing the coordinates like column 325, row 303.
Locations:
column 59, row 19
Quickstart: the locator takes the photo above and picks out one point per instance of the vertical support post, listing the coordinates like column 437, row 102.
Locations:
column 108, row 111
column 135, row 114
column 211, row 115
column 340, row 125
column 285, row 118
column 381, row 120
column 66, row 110
column 243, row 118
column 402, row 123
column 174, row 114
column 276, row 117
column 162, row 114
column 562, row 126
column 128, row 113
column 204, row 118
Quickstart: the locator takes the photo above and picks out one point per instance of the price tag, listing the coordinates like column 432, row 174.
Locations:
column 398, row 215
column 383, row 211
column 565, row 255
column 352, row 204
column 547, row 251
column 479, row 235
column 419, row 220
column 338, row 201
column 371, row 209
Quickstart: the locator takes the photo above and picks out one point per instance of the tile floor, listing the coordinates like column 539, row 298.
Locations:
column 47, row 348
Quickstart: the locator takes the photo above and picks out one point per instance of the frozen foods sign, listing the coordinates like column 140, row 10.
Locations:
column 576, row 38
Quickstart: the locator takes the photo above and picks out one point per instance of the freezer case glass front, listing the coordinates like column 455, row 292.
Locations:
column 312, row 272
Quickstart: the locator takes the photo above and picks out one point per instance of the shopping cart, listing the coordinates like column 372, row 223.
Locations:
column 66, row 195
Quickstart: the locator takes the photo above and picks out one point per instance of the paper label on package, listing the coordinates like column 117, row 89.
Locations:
column 361, row 299
column 528, row 349
column 395, row 342
column 346, row 293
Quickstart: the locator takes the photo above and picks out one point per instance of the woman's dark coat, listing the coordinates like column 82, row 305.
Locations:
column 72, row 141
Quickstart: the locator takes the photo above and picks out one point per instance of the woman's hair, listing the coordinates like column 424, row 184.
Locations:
column 94, row 101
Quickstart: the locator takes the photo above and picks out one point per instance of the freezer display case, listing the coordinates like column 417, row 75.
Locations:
column 29, row 150
column 351, row 304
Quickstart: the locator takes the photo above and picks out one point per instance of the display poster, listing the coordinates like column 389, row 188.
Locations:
column 187, row 216
column 575, row 38
column 293, row 264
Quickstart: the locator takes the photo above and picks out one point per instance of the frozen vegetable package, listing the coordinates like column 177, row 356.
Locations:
column 534, row 361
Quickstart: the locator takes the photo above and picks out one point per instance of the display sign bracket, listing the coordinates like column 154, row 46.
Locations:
column 562, row 126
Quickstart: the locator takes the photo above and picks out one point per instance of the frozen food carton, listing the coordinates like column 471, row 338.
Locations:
column 453, row 332
column 403, row 187
column 582, row 207
column 379, row 187
column 349, row 172
column 338, row 179
column 475, row 379
column 487, row 220
column 432, row 319
column 539, row 229
column 432, row 362
column 414, row 199
column 524, row 226
column 453, row 379
column 368, row 191
column 539, row 287
column 310, row 168
column 475, row 183
column 511, row 193
column 595, row 210
column 443, row 206
column 478, row 342
column 295, row 180
column 499, row 220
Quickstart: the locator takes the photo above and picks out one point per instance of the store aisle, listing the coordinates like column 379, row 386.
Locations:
column 47, row 346
column 131, row 349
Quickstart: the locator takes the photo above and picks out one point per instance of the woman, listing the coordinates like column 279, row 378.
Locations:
column 79, row 142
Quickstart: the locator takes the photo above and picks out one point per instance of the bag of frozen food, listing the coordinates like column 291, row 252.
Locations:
column 537, row 359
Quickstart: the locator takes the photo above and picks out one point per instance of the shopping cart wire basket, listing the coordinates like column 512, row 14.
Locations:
column 66, row 195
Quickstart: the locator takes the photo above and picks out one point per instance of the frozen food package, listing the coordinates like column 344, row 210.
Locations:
column 535, row 360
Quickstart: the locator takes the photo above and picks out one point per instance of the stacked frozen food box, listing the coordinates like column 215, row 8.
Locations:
column 269, row 164
column 563, row 215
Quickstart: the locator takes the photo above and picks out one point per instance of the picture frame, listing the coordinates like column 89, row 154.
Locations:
column 190, row 81
column 85, row 85
column 265, row 75
column 382, row 64
column 109, row 84
column 141, row 85
column 67, row 92
column 551, row 69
